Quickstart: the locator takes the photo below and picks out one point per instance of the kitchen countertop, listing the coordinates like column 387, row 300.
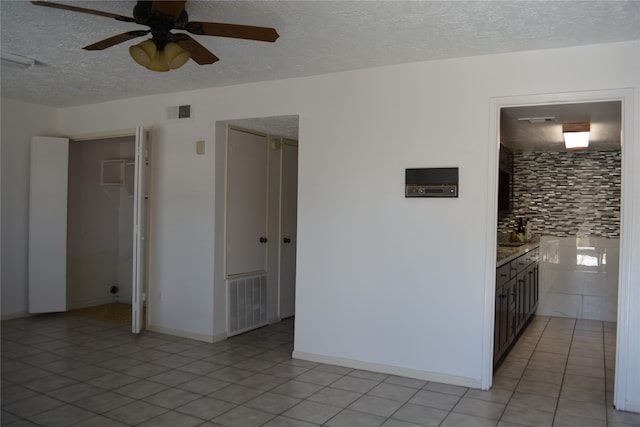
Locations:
column 509, row 253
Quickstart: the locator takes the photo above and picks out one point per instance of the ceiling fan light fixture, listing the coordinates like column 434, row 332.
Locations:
column 162, row 17
column 144, row 52
column 176, row 55
column 576, row 135
column 159, row 62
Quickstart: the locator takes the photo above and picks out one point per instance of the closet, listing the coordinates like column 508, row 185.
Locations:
column 87, row 223
column 260, row 228
column 100, row 222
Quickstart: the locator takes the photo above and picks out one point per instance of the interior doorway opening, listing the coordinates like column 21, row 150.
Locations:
column 100, row 225
column 79, row 254
column 272, row 143
column 622, row 340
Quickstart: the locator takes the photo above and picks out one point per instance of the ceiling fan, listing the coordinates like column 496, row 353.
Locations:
column 166, row 50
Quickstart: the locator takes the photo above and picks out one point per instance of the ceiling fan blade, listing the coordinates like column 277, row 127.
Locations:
column 112, row 41
column 83, row 10
column 246, row 32
column 199, row 53
column 171, row 8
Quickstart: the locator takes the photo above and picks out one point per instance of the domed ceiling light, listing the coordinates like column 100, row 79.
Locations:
column 149, row 55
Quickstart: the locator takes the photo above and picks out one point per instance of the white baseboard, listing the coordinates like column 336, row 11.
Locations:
column 92, row 302
column 187, row 334
column 631, row 407
column 12, row 316
column 389, row 369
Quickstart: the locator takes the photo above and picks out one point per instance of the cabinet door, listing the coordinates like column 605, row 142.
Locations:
column 523, row 299
column 512, row 310
column 535, row 287
column 505, row 322
column 246, row 203
column 497, row 327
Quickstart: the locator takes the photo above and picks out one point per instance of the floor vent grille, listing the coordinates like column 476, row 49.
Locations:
column 247, row 304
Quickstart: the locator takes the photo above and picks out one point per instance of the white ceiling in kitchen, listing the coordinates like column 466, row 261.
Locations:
column 539, row 127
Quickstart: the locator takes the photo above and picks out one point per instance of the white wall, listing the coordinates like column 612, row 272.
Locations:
column 20, row 121
column 383, row 281
column 579, row 277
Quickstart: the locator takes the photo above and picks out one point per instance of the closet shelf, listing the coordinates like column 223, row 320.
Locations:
column 113, row 171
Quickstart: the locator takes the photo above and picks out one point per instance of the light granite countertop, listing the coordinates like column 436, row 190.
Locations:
column 509, row 253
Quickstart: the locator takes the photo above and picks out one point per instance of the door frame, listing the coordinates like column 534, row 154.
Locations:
column 626, row 224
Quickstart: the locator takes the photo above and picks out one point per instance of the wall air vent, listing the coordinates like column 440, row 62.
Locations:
column 179, row 112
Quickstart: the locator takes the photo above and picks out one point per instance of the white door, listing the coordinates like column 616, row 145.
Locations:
column 47, row 282
column 140, row 206
column 246, row 203
column 289, row 206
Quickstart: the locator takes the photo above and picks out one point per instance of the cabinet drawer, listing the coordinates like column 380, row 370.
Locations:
column 531, row 257
column 521, row 262
column 503, row 274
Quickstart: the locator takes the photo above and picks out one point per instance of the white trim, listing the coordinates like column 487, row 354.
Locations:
column 274, row 320
column 139, row 233
column 626, row 224
column 92, row 302
column 388, row 369
column 120, row 133
column 12, row 316
column 488, row 320
column 631, row 407
column 624, row 278
column 187, row 334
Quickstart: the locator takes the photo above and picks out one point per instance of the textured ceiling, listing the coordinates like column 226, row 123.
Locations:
column 316, row 37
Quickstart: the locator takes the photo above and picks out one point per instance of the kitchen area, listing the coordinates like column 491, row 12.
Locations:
column 558, row 225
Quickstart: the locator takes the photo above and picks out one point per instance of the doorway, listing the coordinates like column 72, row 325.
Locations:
column 274, row 148
column 624, row 96
column 87, row 223
column 570, row 199
column 100, row 226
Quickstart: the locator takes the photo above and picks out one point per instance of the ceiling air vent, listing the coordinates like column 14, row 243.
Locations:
column 537, row 120
column 180, row 112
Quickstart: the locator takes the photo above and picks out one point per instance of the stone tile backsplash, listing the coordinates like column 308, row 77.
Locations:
column 573, row 193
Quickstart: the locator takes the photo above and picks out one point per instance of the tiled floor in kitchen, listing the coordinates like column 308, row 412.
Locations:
column 60, row 371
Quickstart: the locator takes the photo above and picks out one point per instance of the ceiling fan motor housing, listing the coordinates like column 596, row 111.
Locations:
column 160, row 23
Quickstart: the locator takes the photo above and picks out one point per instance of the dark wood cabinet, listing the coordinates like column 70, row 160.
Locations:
column 505, row 186
column 517, row 291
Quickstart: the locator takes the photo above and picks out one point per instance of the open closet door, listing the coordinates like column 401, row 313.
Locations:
column 47, row 285
column 139, row 230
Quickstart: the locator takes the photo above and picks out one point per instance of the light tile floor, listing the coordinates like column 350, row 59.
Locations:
column 61, row 370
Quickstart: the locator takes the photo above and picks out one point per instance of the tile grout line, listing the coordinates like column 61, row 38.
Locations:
column 564, row 372
column 524, row 370
column 604, row 362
